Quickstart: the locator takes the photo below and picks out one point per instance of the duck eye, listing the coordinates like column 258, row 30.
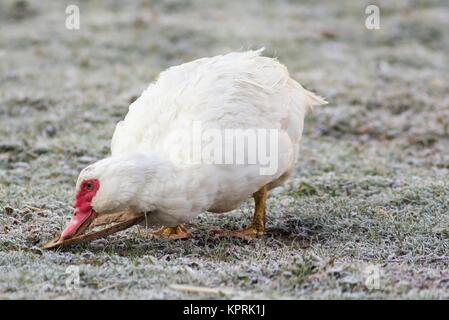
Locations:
column 89, row 186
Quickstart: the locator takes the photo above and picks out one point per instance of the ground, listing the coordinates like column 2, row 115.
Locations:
column 366, row 214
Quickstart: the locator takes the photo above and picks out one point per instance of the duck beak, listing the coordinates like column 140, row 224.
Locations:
column 80, row 221
column 79, row 227
column 83, row 220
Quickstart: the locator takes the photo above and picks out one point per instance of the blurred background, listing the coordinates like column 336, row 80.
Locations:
column 372, row 182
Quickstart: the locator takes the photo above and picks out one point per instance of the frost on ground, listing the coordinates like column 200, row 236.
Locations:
column 366, row 215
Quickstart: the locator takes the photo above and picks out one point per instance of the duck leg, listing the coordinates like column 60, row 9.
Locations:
column 257, row 227
column 178, row 232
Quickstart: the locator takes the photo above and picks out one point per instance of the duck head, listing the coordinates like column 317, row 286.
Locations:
column 110, row 187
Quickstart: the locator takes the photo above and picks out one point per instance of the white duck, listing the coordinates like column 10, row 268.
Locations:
column 150, row 170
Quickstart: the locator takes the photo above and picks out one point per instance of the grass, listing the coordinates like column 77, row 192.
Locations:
column 370, row 193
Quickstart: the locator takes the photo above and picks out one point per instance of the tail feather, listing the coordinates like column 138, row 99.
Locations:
column 314, row 99
column 309, row 98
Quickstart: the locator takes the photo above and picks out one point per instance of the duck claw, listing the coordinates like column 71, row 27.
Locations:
column 172, row 233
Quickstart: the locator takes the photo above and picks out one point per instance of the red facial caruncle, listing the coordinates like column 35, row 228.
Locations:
column 83, row 207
